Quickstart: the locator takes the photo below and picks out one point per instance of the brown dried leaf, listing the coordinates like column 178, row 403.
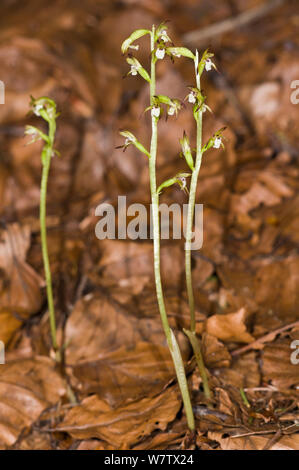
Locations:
column 20, row 284
column 127, row 374
column 277, row 367
column 8, row 325
column 124, row 426
column 244, row 372
column 106, row 327
column 27, row 387
column 214, row 352
column 123, row 259
column 255, row 442
column 229, row 327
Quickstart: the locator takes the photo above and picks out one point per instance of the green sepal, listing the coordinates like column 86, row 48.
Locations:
column 133, row 37
column 186, row 151
column 180, row 51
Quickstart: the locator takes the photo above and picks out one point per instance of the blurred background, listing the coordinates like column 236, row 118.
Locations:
column 69, row 50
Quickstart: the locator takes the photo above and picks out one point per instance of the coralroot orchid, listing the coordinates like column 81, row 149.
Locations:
column 158, row 38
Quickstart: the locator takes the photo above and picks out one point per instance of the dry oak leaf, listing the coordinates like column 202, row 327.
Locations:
column 214, row 352
column 27, row 388
column 126, row 374
column 244, row 372
column 19, row 283
column 8, row 325
column 122, row 260
column 107, row 327
column 277, row 367
column 124, row 426
column 255, row 442
column 229, row 327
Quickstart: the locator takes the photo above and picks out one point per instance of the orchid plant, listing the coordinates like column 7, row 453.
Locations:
column 161, row 46
column 46, row 109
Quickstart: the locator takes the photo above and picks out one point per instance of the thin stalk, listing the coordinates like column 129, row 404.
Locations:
column 244, row 398
column 190, row 217
column 43, row 231
column 176, row 355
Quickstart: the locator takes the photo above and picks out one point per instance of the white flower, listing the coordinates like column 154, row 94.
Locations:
column 133, row 70
column 128, row 142
column 217, row 142
column 171, row 111
column 164, row 36
column 192, row 97
column 208, row 65
column 160, row 53
column 155, row 112
column 176, row 54
column 37, row 108
column 184, row 182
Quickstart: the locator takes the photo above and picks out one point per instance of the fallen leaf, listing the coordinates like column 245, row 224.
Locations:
column 27, row 388
column 214, row 352
column 277, row 367
column 255, row 442
column 124, row 426
column 243, row 372
column 229, row 327
column 8, row 325
column 107, row 327
column 20, row 284
column 126, row 374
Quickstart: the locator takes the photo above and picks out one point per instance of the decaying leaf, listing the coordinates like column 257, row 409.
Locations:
column 214, row 352
column 127, row 374
column 27, row 387
column 107, row 327
column 20, row 284
column 243, row 372
column 277, row 367
column 229, row 327
column 255, row 442
column 124, row 426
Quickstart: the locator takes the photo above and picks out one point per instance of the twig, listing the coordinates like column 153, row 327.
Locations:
column 264, row 339
column 231, row 23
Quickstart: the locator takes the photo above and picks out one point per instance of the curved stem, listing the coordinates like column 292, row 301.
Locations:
column 172, row 343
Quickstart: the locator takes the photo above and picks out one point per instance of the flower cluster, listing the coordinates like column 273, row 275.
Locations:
column 46, row 108
column 163, row 46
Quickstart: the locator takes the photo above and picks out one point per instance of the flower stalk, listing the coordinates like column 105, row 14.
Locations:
column 189, row 226
column 46, row 108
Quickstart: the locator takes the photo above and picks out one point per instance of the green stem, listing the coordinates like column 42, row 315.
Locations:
column 173, row 346
column 244, row 398
column 43, row 230
column 190, row 217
